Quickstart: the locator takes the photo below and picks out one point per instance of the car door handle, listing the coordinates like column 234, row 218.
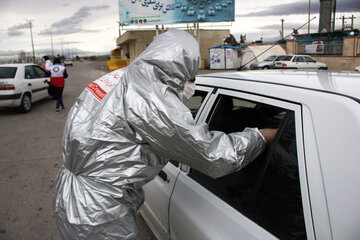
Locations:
column 29, row 84
column 164, row 176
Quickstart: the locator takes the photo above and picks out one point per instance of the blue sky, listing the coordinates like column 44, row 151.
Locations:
column 91, row 26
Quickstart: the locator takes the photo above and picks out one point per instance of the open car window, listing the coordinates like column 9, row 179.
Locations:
column 267, row 190
column 195, row 102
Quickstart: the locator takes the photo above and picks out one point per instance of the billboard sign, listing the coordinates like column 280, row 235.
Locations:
column 154, row 12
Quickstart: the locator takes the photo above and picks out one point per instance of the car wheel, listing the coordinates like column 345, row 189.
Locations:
column 266, row 67
column 323, row 68
column 25, row 103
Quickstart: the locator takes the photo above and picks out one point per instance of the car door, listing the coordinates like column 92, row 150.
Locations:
column 311, row 63
column 44, row 76
column 34, row 79
column 262, row 201
column 300, row 62
column 158, row 191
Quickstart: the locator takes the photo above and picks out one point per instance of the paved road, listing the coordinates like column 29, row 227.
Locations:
column 30, row 157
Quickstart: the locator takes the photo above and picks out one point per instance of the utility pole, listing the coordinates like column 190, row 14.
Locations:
column 282, row 30
column 52, row 46
column 62, row 49
column 32, row 42
column 343, row 18
column 309, row 17
column 334, row 15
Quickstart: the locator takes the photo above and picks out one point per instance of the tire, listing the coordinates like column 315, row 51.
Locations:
column 266, row 67
column 25, row 106
column 323, row 68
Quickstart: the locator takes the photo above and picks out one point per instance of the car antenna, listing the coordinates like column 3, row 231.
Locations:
column 242, row 66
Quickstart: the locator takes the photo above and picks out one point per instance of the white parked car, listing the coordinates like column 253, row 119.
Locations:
column 304, row 186
column 357, row 69
column 299, row 62
column 22, row 84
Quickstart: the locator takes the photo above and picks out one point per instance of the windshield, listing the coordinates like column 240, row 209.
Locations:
column 270, row 59
column 7, row 72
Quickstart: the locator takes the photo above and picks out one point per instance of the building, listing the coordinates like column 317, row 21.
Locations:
column 134, row 42
column 340, row 50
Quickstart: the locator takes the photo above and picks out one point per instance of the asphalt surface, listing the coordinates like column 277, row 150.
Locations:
column 30, row 158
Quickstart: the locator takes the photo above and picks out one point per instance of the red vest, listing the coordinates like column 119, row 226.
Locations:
column 57, row 75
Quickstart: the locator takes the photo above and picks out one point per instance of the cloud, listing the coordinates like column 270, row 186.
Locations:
column 288, row 26
column 302, row 7
column 73, row 24
column 14, row 30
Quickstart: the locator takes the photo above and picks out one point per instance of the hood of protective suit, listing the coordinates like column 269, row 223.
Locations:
column 174, row 57
column 123, row 129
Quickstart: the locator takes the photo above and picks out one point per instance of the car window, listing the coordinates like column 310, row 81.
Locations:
column 195, row 102
column 40, row 72
column 285, row 58
column 270, row 58
column 8, row 72
column 309, row 59
column 31, row 73
column 278, row 57
column 267, row 190
column 299, row 59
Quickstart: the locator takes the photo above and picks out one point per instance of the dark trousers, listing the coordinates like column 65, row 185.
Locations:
column 58, row 95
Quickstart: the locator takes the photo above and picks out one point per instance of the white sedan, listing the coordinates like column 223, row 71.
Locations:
column 304, row 186
column 22, row 84
column 299, row 62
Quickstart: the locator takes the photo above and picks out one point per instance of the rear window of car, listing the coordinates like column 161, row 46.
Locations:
column 269, row 59
column 284, row 58
column 7, row 72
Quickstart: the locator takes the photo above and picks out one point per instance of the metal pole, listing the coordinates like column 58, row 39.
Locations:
column 334, row 15
column 52, row 46
column 309, row 17
column 62, row 49
column 32, row 42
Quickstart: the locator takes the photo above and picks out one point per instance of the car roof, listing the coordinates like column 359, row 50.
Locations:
column 341, row 83
column 17, row 64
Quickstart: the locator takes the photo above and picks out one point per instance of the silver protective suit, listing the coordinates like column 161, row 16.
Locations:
column 123, row 129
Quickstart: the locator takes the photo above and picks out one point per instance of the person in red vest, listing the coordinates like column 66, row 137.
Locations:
column 57, row 81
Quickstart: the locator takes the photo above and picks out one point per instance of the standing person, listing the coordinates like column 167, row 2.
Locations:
column 57, row 81
column 124, row 128
column 47, row 63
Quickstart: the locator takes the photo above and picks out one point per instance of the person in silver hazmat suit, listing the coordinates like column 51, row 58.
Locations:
column 123, row 129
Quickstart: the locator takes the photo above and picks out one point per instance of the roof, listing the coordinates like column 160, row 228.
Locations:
column 17, row 64
column 342, row 83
